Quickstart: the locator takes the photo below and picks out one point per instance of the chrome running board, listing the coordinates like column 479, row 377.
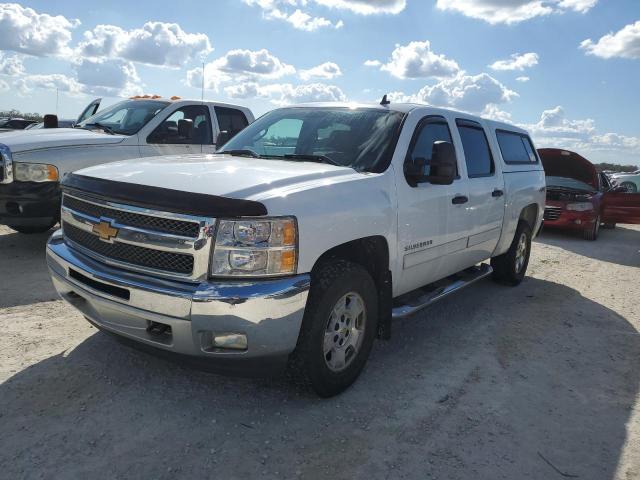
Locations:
column 414, row 301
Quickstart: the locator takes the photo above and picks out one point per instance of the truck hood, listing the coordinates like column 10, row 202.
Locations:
column 26, row 140
column 563, row 163
column 223, row 175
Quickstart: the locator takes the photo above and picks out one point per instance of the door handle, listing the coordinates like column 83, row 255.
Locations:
column 497, row 193
column 459, row 200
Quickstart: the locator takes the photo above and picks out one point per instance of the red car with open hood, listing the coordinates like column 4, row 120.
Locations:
column 580, row 198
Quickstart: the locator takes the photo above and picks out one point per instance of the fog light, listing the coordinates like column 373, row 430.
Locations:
column 231, row 341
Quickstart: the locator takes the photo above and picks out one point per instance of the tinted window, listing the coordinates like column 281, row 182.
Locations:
column 231, row 120
column 433, row 130
column 515, row 148
column 362, row 138
column 476, row 149
column 186, row 126
column 126, row 117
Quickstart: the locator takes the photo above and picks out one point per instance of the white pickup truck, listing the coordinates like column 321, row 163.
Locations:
column 301, row 240
column 32, row 162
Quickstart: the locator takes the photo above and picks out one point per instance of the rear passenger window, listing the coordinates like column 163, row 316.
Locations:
column 515, row 147
column 476, row 149
column 431, row 130
column 230, row 120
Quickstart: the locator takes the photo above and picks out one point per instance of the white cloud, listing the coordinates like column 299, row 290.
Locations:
column 471, row 93
column 156, row 43
column 4, row 86
column 516, row 62
column 372, row 63
column 108, row 77
column 24, row 30
column 417, row 60
column 11, row 65
column 326, row 71
column 282, row 10
column 240, row 65
column 287, row 93
column 366, row 7
column 624, row 43
column 50, row 82
column 523, row 79
column 513, row 11
column 494, row 112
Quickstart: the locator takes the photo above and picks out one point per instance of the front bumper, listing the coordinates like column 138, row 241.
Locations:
column 572, row 220
column 268, row 312
column 29, row 203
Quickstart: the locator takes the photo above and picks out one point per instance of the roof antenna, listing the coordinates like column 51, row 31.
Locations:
column 384, row 100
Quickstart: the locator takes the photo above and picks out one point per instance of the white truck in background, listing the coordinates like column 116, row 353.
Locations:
column 33, row 162
column 301, row 240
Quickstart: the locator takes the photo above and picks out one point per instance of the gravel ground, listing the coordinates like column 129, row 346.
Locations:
column 539, row 381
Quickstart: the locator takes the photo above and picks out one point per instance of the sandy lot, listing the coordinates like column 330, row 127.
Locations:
column 540, row 381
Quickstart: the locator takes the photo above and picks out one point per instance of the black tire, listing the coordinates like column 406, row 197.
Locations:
column 591, row 234
column 31, row 229
column 505, row 269
column 630, row 186
column 330, row 282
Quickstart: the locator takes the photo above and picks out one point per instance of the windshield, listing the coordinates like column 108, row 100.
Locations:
column 124, row 118
column 363, row 139
column 569, row 183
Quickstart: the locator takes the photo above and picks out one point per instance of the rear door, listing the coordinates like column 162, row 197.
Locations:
column 231, row 121
column 486, row 191
column 618, row 206
column 432, row 222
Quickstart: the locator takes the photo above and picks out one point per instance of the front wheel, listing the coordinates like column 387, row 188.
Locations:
column 591, row 233
column 511, row 267
column 338, row 329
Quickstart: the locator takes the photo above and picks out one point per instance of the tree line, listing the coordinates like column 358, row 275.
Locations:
column 18, row 114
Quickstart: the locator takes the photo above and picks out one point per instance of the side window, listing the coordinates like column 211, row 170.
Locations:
column 186, row 126
column 476, row 149
column 430, row 131
column 515, row 147
column 231, row 120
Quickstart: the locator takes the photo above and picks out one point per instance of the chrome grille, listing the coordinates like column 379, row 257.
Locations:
column 158, row 243
column 157, row 224
column 134, row 255
column 552, row 213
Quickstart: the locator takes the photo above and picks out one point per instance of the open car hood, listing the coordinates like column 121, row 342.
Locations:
column 563, row 163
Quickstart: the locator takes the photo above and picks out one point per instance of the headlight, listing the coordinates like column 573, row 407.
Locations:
column 255, row 248
column 6, row 164
column 34, row 172
column 580, row 207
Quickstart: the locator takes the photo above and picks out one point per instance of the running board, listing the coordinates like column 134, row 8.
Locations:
column 414, row 301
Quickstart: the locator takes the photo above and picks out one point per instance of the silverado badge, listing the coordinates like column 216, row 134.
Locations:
column 105, row 230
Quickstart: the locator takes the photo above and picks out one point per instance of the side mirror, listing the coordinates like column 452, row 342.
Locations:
column 185, row 128
column 223, row 137
column 50, row 121
column 444, row 166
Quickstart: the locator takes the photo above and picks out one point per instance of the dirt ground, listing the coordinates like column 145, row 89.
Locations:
column 540, row 381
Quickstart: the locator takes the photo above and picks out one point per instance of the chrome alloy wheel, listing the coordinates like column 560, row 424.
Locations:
column 344, row 332
column 521, row 252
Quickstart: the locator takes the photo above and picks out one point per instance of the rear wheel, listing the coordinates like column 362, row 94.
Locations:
column 592, row 233
column 630, row 186
column 30, row 229
column 511, row 267
column 338, row 329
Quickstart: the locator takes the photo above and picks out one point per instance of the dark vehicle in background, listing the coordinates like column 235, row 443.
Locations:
column 8, row 124
column 62, row 123
column 580, row 198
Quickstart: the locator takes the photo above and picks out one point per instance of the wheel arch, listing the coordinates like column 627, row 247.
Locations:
column 372, row 253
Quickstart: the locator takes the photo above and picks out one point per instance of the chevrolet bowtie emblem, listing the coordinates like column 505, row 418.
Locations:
column 105, row 231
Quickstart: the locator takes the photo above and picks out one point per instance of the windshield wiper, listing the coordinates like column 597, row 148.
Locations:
column 241, row 153
column 106, row 128
column 312, row 158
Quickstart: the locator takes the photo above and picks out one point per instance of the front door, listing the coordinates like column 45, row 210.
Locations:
column 621, row 207
column 486, row 192
column 184, row 131
column 432, row 219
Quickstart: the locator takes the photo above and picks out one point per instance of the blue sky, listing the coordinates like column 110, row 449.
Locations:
column 568, row 70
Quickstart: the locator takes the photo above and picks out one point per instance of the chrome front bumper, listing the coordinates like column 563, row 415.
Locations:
column 268, row 312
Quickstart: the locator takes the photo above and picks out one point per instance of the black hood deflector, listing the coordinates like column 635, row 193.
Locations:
column 164, row 199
